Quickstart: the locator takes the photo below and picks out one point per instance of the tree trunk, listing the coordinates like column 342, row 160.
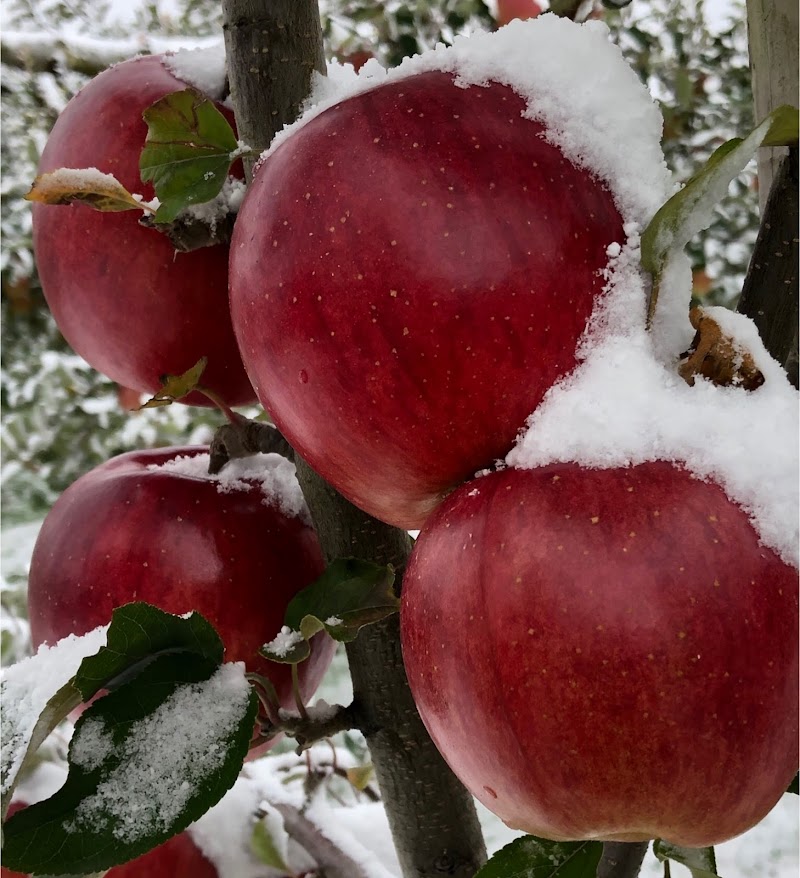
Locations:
column 273, row 47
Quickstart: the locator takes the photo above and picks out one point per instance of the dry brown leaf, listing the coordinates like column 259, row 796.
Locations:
column 86, row 186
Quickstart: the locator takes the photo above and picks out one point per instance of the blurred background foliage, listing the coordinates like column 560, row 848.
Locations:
column 60, row 418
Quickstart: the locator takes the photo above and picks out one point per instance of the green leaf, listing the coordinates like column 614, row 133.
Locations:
column 793, row 786
column 189, row 149
column 690, row 210
column 146, row 761
column 177, row 386
column 138, row 634
column 349, row 594
column 530, row 857
column 264, row 847
column 701, row 862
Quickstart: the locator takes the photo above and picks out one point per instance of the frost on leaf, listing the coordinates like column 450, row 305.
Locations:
column 85, row 186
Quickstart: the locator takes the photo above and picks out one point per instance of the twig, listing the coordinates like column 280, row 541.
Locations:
column 309, row 729
column 621, row 860
column 244, row 438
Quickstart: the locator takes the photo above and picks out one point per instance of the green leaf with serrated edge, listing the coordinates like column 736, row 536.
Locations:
column 701, row 862
column 138, row 634
column 177, row 386
column 145, row 762
column 531, row 857
column 188, row 151
column 690, row 210
column 350, row 594
column 793, row 786
column 263, row 846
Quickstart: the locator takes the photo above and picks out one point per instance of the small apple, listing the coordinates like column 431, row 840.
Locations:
column 508, row 10
column 137, row 529
column 123, row 298
column 605, row 654
column 177, row 858
column 410, row 273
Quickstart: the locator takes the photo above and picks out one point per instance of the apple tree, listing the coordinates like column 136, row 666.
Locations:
column 620, row 522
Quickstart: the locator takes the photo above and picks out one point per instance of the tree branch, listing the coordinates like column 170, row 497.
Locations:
column 621, row 859
column 273, row 46
column 243, row 438
column 769, row 295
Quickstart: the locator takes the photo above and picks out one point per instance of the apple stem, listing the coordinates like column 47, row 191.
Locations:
column 298, row 698
column 226, row 410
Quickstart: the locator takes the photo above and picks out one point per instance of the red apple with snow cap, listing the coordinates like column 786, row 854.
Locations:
column 410, row 272
column 123, row 298
column 631, row 662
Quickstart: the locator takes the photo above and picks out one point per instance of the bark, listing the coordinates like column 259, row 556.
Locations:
column 621, row 860
column 769, row 296
column 273, row 47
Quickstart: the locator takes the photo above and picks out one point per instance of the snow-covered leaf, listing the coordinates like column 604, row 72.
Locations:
column 350, row 594
column 146, row 761
column 188, row 151
column 701, row 862
column 87, row 186
column 37, row 693
column 530, row 857
column 138, row 633
column 265, row 847
column 691, row 210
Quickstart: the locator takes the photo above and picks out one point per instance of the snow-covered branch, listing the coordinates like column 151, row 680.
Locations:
column 38, row 51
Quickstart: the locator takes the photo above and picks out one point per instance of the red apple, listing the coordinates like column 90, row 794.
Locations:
column 177, row 858
column 410, row 272
column 508, row 10
column 606, row 654
column 125, row 532
column 123, row 298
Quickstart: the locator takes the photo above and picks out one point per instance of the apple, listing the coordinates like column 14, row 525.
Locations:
column 410, row 272
column 605, row 654
column 122, row 297
column 133, row 529
column 508, row 10
column 177, row 858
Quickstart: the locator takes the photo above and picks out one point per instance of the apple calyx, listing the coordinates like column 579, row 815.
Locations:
column 718, row 357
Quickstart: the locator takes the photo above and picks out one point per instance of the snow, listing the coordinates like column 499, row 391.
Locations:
column 595, row 108
column 284, row 642
column 202, row 68
column 272, row 474
column 160, row 764
column 226, row 202
column 626, row 404
column 28, row 686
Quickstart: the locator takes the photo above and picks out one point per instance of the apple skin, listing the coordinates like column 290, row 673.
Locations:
column 122, row 297
column 508, row 10
column 410, row 272
column 177, row 858
column 605, row 654
column 124, row 533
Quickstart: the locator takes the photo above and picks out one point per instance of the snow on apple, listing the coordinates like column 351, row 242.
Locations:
column 417, row 258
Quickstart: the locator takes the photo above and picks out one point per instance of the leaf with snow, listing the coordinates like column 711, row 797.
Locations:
column 138, row 634
column 175, row 387
column 350, row 594
column 531, row 857
column 37, row 693
column 265, row 848
column 189, row 149
column 701, row 862
column 85, row 186
column 145, row 761
column 690, row 210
